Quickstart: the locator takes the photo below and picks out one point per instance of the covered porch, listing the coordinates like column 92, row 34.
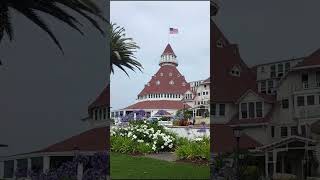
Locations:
column 292, row 155
column 201, row 114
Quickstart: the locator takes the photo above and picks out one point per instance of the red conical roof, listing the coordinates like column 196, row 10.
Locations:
column 168, row 50
column 160, row 82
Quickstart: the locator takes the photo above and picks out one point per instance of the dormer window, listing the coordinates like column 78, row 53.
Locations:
column 251, row 110
column 220, row 43
column 170, row 74
column 158, row 82
column 235, row 71
column 161, row 74
column 171, row 82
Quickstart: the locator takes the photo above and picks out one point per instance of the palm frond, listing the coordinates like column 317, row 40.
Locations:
column 29, row 8
column 122, row 50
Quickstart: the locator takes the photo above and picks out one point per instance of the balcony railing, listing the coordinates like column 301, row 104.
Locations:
column 307, row 86
column 308, row 113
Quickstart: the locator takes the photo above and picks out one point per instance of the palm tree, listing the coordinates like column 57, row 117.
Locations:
column 214, row 7
column 122, row 50
column 55, row 8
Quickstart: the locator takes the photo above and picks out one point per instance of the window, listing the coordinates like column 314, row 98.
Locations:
column 203, row 93
column 270, row 86
column 158, row 82
column 95, row 114
column 213, row 111
column 207, row 93
column 222, row 109
column 171, row 82
column 284, row 131
column 259, row 109
column 262, row 69
column 198, row 102
column 287, row 67
column 170, row 74
column 285, row 104
column 303, row 130
column 199, row 94
column 273, row 71
column 294, row 130
column 318, row 77
column 300, row 100
column 205, row 86
column 263, row 87
column 251, row 110
column 161, row 74
column 8, row 169
column 304, row 77
column 280, row 70
column 100, row 113
column 272, row 131
column 104, row 113
column 310, row 100
column 244, row 110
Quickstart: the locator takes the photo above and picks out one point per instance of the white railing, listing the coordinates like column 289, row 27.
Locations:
column 307, row 85
column 308, row 113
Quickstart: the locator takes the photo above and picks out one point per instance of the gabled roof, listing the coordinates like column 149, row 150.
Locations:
column 265, row 97
column 310, row 62
column 228, row 88
column 160, row 104
column 168, row 51
column 225, row 142
column 179, row 86
column 92, row 140
column 103, row 100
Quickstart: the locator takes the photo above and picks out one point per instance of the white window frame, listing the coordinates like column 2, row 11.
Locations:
column 255, row 109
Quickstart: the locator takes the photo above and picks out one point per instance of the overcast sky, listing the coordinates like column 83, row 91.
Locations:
column 44, row 94
column 271, row 30
column 148, row 24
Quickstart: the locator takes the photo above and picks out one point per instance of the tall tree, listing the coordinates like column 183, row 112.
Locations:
column 55, row 8
column 122, row 50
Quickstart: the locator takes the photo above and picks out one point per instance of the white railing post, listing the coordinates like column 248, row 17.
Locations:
column 46, row 163
column 80, row 171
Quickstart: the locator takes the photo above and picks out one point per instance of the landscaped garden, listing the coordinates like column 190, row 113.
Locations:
column 133, row 140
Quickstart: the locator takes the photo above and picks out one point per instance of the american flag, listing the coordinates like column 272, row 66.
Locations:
column 173, row 31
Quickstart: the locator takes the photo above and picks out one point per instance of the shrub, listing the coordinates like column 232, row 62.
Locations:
column 141, row 137
column 198, row 148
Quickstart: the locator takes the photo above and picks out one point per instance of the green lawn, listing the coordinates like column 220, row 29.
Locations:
column 129, row 167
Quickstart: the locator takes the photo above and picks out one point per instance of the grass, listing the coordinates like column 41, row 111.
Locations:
column 129, row 167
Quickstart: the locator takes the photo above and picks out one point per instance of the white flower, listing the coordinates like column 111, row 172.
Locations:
column 198, row 139
column 140, row 140
column 171, row 145
column 162, row 147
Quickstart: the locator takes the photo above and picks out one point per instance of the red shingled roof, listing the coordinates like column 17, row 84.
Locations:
column 224, row 140
column 228, row 88
column 161, row 104
column 96, row 139
column 168, row 51
column 312, row 60
column 103, row 100
column 180, row 85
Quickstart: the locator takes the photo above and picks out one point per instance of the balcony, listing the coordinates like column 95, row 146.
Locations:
column 308, row 113
column 307, row 86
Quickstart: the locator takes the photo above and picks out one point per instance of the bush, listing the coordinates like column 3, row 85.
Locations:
column 251, row 173
column 193, row 149
column 141, row 137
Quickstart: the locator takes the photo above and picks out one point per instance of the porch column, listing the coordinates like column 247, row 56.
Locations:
column 80, row 171
column 1, row 169
column 15, row 167
column 266, row 163
column 29, row 164
column 46, row 163
column 282, row 164
column 274, row 159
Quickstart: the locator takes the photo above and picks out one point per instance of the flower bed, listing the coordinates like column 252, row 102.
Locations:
column 141, row 137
